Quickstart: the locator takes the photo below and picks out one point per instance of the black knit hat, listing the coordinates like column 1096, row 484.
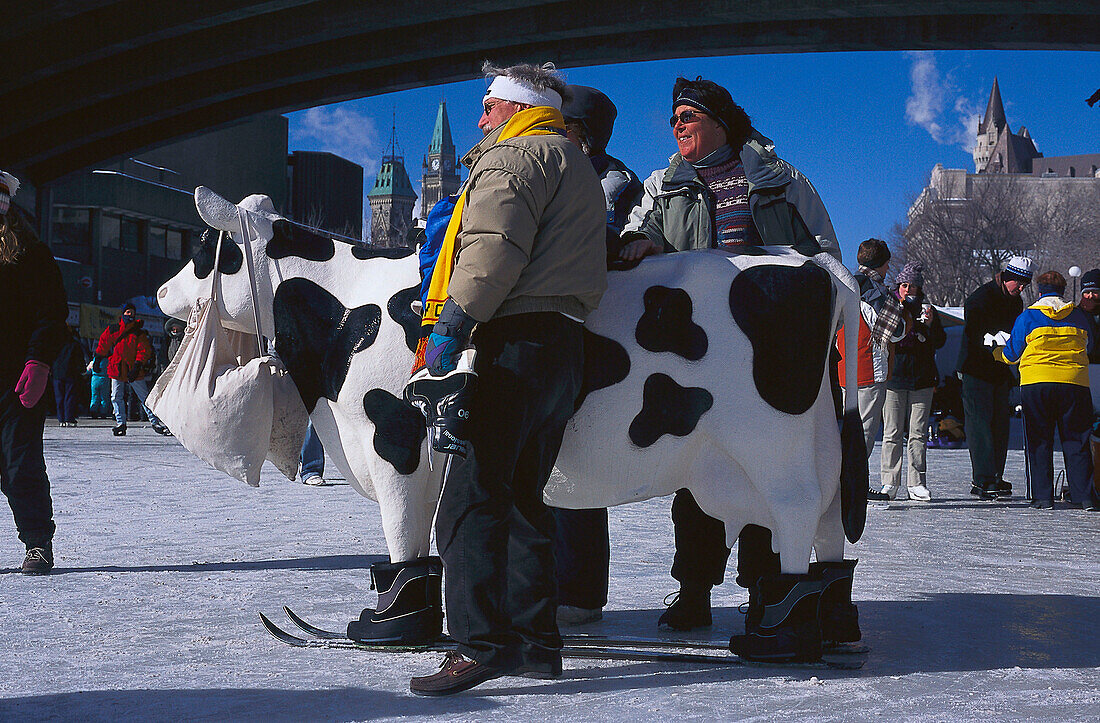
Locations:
column 715, row 101
column 1090, row 281
column 595, row 110
column 128, row 307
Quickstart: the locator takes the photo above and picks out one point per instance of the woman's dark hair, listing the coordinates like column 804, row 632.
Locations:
column 715, row 100
column 873, row 253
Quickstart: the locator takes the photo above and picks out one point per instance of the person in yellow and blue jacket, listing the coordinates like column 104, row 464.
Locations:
column 1050, row 342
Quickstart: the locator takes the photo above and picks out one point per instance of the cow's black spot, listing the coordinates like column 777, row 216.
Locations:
column 666, row 324
column 400, row 310
column 668, row 408
column 605, row 363
column 365, row 252
column 231, row 258
column 785, row 313
column 398, row 430
column 290, row 240
column 315, row 336
column 853, row 476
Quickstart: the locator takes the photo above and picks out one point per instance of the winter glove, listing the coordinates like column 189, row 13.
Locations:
column 449, row 338
column 444, row 388
column 32, row 382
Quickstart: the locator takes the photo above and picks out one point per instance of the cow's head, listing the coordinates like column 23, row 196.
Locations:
column 193, row 282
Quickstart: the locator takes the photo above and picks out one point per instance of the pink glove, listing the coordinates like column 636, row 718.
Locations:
column 32, row 383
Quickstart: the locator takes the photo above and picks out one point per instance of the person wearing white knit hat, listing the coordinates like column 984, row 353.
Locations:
column 986, row 382
column 33, row 329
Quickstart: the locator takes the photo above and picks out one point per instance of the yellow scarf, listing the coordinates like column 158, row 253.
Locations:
column 538, row 121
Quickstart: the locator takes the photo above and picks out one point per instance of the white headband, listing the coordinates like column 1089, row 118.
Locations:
column 506, row 88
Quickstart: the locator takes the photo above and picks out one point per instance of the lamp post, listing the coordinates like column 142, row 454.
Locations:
column 1074, row 271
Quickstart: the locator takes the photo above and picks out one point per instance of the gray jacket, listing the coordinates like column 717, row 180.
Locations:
column 675, row 209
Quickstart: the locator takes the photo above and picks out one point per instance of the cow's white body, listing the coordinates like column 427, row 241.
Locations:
column 745, row 462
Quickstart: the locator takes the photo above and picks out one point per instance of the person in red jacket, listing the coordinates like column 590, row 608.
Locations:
column 129, row 355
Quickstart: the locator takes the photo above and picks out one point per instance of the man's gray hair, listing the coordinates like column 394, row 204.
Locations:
column 540, row 77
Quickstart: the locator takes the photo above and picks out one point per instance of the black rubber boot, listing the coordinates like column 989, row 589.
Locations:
column 1002, row 488
column 410, row 604
column 839, row 617
column 690, row 609
column 788, row 631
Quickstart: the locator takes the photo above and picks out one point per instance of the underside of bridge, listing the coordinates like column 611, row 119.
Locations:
column 87, row 80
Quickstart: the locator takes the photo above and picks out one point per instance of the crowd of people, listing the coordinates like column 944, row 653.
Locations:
column 521, row 259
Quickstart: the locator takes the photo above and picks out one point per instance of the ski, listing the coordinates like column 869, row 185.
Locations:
column 312, row 629
column 598, row 640
column 847, row 649
column 586, row 652
column 347, row 644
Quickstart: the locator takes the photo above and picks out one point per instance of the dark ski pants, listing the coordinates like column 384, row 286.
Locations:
column 23, row 470
column 583, row 555
column 701, row 551
column 493, row 530
column 1067, row 408
column 64, row 392
column 987, row 418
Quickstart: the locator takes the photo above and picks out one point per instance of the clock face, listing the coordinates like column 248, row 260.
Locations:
column 447, row 164
column 435, row 164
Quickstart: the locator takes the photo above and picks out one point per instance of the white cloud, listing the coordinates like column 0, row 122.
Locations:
column 928, row 97
column 340, row 130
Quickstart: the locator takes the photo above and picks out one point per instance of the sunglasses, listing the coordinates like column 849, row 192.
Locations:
column 685, row 117
column 488, row 107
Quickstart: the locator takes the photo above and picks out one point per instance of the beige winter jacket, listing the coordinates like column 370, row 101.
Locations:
column 532, row 235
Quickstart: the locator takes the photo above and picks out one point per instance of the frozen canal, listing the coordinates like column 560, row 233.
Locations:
column 973, row 610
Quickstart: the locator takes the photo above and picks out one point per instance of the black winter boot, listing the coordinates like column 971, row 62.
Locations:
column 988, row 490
column 690, row 609
column 410, row 604
column 789, row 630
column 838, row 615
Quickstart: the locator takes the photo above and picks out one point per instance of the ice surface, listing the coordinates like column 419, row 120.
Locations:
column 973, row 610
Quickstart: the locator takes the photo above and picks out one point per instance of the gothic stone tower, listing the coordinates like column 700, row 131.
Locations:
column 391, row 204
column 997, row 149
column 440, row 171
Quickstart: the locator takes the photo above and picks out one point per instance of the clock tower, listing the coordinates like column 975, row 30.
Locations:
column 440, row 169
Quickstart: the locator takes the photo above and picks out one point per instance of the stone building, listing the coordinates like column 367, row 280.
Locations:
column 997, row 149
column 440, row 177
column 391, row 203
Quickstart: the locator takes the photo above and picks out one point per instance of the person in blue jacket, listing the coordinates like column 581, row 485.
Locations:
column 1050, row 342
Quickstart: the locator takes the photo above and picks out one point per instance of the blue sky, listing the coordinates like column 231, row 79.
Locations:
column 866, row 128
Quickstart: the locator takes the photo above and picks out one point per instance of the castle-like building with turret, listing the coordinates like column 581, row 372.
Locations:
column 1001, row 153
column 997, row 149
column 392, row 199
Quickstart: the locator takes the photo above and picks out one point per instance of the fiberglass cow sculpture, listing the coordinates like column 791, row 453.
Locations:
column 703, row 370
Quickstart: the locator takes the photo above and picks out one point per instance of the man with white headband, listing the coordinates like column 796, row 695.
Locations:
column 521, row 266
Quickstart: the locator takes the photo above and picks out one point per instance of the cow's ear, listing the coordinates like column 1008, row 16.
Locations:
column 215, row 210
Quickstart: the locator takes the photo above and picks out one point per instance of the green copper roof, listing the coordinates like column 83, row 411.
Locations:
column 441, row 136
column 392, row 179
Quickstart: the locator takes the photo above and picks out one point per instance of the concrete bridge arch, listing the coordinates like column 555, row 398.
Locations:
column 92, row 79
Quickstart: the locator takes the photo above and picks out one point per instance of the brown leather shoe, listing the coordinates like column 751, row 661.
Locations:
column 456, row 674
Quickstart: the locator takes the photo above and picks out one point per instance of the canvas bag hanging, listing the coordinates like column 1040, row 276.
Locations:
column 220, row 396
